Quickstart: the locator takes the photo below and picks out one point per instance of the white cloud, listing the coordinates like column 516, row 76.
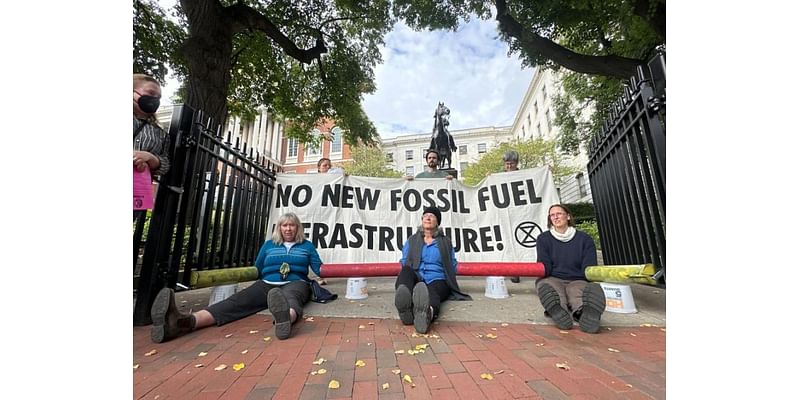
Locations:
column 469, row 70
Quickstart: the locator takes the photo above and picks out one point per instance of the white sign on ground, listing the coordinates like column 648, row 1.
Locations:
column 353, row 219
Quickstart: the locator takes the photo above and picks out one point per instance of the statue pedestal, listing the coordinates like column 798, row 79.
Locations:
column 451, row 171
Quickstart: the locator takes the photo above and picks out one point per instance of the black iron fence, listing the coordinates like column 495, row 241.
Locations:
column 211, row 210
column 627, row 173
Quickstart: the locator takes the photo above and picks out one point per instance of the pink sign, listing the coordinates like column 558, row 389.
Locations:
column 142, row 189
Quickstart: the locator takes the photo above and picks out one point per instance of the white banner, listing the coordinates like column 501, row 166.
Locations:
column 354, row 219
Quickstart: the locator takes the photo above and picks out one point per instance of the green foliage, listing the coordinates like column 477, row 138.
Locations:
column 261, row 72
column 155, row 39
column 532, row 153
column 581, row 212
column 370, row 161
column 590, row 227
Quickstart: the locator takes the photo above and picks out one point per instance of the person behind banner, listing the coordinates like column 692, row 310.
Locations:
column 150, row 142
column 510, row 162
column 429, row 266
column 564, row 291
column 324, row 167
column 433, row 171
column 284, row 288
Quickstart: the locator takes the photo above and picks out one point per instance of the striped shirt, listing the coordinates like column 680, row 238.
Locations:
column 154, row 140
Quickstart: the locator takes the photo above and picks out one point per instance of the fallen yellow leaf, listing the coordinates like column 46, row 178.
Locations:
column 320, row 361
column 385, row 386
column 539, row 344
column 414, row 334
column 310, row 319
column 244, row 351
column 396, row 371
column 322, row 371
column 228, row 335
column 663, row 329
column 488, row 377
column 255, row 331
column 360, row 363
column 633, row 334
column 494, row 329
column 150, row 353
column 313, row 372
column 563, row 366
column 407, row 378
column 371, row 323
column 136, row 366
column 435, row 336
column 613, row 350
column 202, row 354
column 361, row 327
column 267, row 338
column 421, row 346
column 199, row 365
column 238, row 366
column 491, row 336
column 334, row 384
column 629, row 385
column 565, row 332
column 504, row 324
column 220, row 367
column 399, row 351
column 499, row 372
column 647, row 325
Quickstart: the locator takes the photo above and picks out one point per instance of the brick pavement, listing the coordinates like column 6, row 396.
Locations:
column 522, row 360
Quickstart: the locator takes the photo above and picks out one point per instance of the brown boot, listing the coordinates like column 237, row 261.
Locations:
column 168, row 321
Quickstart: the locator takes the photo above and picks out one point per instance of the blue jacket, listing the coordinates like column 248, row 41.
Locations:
column 566, row 260
column 300, row 257
column 431, row 267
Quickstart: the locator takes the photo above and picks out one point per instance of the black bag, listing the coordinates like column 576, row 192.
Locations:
column 321, row 295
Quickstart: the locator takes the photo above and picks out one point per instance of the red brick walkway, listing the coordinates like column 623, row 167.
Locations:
column 621, row 363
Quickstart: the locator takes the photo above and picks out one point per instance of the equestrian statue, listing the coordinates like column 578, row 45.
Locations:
column 441, row 140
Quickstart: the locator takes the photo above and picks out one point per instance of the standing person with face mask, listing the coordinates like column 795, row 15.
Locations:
column 150, row 142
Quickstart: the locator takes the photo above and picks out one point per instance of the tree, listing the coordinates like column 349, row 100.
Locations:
column 596, row 44
column 532, row 153
column 303, row 60
column 370, row 160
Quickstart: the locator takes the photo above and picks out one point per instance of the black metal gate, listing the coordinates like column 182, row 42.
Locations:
column 627, row 172
column 211, row 209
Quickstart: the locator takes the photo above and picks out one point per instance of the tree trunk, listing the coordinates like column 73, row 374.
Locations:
column 207, row 52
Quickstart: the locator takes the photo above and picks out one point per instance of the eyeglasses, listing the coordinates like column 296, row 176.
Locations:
column 558, row 214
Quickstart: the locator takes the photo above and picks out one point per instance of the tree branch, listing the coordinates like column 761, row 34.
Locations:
column 532, row 43
column 658, row 21
column 250, row 18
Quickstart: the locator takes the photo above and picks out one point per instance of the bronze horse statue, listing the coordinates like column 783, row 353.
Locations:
column 441, row 140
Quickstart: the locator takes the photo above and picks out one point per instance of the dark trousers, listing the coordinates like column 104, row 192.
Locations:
column 438, row 291
column 254, row 299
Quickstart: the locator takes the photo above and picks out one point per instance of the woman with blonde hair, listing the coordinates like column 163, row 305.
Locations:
column 283, row 262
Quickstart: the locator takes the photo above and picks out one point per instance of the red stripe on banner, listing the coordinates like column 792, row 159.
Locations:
column 464, row 269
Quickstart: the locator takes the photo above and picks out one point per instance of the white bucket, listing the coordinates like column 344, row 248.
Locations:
column 619, row 298
column 496, row 287
column 222, row 292
column 356, row 288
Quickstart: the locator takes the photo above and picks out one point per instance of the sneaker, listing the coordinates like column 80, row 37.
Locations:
column 552, row 306
column 515, row 279
column 168, row 321
column 402, row 300
column 279, row 307
column 594, row 303
column 422, row 308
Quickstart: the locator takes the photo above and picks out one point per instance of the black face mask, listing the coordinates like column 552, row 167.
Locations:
column 148, row 104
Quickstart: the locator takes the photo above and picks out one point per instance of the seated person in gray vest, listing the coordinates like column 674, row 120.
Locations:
column 564, row 291
column 428, row 266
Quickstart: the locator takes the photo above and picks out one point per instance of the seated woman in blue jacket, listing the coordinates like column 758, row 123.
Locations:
column 283, row 261
column 428, row 266
column 564, row 291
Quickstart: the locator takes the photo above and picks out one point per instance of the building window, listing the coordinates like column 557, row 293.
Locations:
column 462, row 149
column 523, row 132
column 539, row 130
column 529, row 120
column 535, row 108
column 336, row 140
column 581, row 184
column 312, row 149
column 481, row 148
column 558, row 193
column 424, row 153
column 547, row 120
column 544, row 93
column 389, row 157
column 409, row 154
column 292, row 145
column 463, row 166
column 410, row 170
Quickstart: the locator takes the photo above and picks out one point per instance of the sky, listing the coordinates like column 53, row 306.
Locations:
column 469, row 70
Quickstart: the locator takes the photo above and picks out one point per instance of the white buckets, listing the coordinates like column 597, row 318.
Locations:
column 356, row 288
column 619, row 298
column 496, row 287
column 222, row 292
